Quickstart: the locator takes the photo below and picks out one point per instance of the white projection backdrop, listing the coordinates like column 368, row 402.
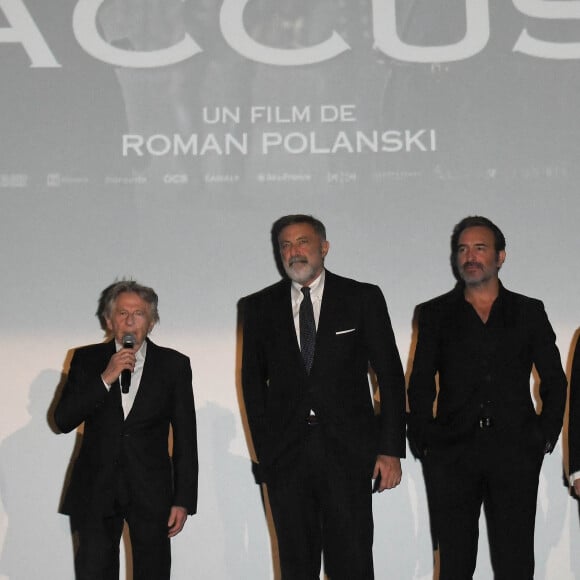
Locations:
column 159, row 140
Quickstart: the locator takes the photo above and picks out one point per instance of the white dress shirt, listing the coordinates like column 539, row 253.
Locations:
column 316, row 290
column 127, row 399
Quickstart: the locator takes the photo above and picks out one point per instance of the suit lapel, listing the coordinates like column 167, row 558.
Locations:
column 283, row 319
column 107, row 352
column 330, row 304
column 329, row 309
column 147, row 380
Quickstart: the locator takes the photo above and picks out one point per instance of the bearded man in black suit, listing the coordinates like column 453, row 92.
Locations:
column 124, row 471
column 485, row 444
column 307, row 344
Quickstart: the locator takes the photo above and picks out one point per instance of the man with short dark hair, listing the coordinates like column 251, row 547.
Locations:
column 129, row 393
column 485, row 443
column 308, row 342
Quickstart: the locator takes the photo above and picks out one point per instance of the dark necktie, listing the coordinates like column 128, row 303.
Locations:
column 307, row 329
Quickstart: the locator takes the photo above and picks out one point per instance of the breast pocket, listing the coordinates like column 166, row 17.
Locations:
column 344, row 332
column 344, row 343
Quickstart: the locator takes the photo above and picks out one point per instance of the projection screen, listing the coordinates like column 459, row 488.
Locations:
column 159, row 140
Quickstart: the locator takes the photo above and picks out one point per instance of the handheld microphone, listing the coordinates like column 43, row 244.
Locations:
column 128, row 342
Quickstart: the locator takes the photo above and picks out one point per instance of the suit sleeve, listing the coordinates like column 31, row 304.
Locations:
column 386, row 363
column 552, row 379
column 422, row 384
column 183, row 423
column 574, row 424
column 83, row 394
column 254, row 374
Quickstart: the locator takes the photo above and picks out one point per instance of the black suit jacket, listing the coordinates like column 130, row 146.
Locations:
column 484, row 369
column 574, row 424
column 354, row 330
column 137, row 444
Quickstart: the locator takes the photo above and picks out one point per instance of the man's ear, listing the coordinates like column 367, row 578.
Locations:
column 500, row 258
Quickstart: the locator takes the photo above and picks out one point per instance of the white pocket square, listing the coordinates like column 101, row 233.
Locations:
column 345, row 331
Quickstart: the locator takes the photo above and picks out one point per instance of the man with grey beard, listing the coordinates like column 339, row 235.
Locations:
column 308, row 344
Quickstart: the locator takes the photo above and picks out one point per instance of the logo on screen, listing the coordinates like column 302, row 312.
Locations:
column 13, row 180
column 176, row 178
column 53, row 180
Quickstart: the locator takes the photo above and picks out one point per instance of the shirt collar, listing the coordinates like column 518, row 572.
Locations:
column 459, row 290
column 316, row 288
column 139, row 355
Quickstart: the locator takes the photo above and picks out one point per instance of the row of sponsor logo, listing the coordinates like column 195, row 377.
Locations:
column 57, row 180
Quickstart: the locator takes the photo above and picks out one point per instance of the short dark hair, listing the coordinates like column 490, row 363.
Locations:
column 477, row 221
column 299, row 218
column 110, row 294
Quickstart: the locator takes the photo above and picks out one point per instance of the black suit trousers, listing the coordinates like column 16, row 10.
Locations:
column 501, row 477
column 321, row 504
column 97, row 554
